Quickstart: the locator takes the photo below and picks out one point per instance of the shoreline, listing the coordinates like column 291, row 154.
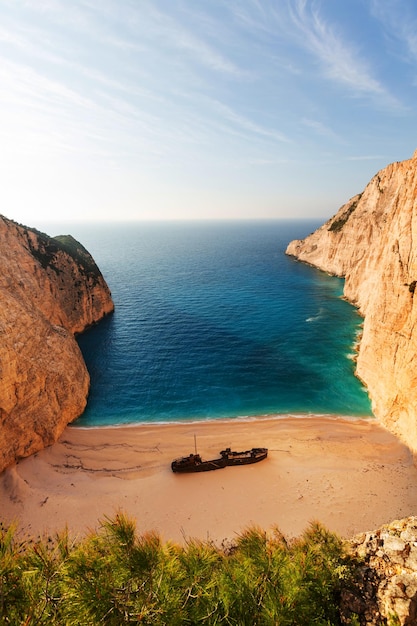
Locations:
column 235, row 419
column 351, row 474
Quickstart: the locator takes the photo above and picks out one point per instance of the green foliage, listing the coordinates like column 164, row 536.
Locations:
column 12, row 593
column 116, row 576
column 77, row 251
column 47, row 250
column 337, row 224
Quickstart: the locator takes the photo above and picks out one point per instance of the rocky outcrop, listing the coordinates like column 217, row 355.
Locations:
column 372, row 243
column 384, row 589
column 50, row 289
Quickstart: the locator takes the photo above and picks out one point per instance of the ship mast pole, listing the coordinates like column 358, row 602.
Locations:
column 195, row 444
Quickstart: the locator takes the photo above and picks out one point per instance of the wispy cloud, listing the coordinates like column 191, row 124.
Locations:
column 205, row 54
column 399, row 22
column 321, row 129
column 174, row 36
column 339, row 59
column 174, row 92
column 365, row 157
column 42, row 111
column 246, row 124
column 33, row 88
column 97, row 108
column 253, row 15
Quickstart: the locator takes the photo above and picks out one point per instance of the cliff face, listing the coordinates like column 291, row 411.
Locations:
column 372, row 242
column 385, row 583
column 50, row 288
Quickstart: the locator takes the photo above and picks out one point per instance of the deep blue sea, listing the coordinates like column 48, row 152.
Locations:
column 213, row 320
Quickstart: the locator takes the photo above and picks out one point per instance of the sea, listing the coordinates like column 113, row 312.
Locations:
column 213, row 320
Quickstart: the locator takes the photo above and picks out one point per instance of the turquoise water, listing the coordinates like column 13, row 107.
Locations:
column 214, row 320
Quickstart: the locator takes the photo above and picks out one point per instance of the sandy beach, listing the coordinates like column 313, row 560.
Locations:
column 350, row 474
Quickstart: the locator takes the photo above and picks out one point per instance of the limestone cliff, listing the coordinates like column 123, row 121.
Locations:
column 384, row 587
column 372, row 242
column 50, row 289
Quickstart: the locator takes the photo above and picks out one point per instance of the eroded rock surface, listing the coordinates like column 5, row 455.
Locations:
column 50, row 289
column 372, row 243
column 385, row 589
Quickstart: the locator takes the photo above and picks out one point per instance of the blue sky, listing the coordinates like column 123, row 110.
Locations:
column 183, row 109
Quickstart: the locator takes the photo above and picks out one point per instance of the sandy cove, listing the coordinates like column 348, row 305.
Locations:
column 352, row 475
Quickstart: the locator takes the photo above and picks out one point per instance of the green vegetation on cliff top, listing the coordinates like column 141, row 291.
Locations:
column 115, row 576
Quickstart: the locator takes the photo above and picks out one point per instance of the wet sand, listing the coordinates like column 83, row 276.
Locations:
column 352, row 475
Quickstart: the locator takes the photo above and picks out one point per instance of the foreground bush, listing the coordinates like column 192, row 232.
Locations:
column 118, row 577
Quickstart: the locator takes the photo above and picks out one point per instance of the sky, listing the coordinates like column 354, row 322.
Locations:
column 201, row 109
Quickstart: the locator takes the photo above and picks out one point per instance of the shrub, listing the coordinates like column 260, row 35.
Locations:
column 116, row 576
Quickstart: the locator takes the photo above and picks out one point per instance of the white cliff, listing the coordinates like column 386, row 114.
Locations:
column 50, row 289
column 372, row 243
